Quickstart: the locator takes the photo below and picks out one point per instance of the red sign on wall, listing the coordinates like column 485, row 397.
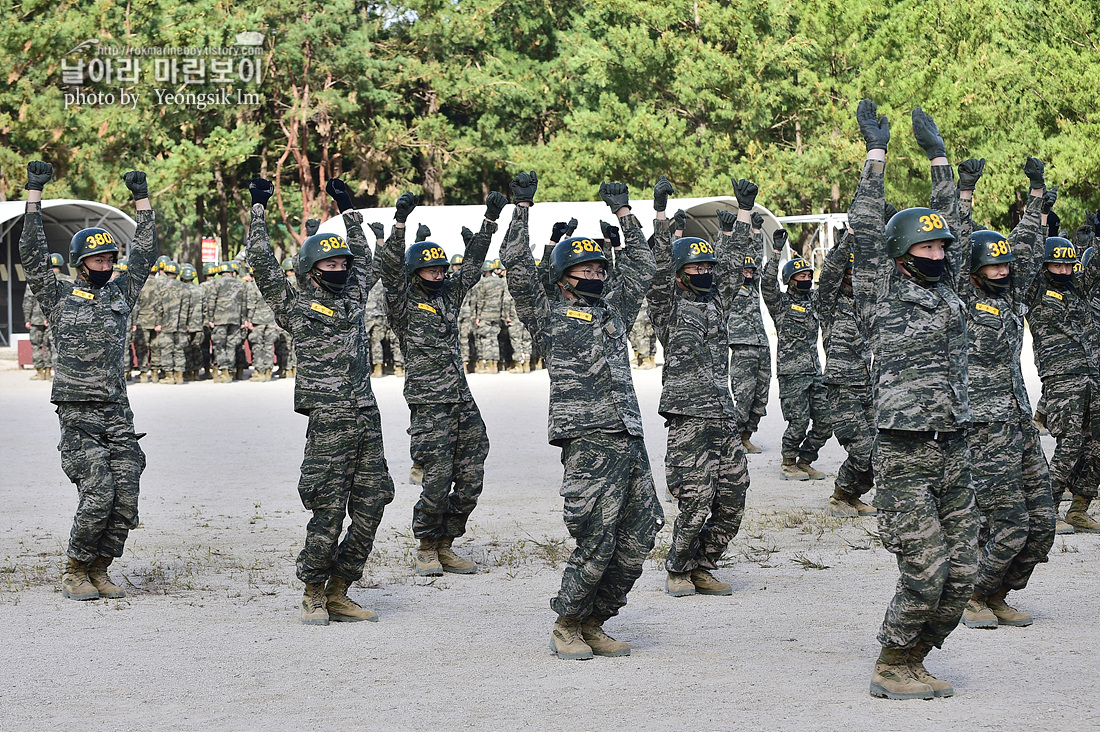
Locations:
column 210, row 251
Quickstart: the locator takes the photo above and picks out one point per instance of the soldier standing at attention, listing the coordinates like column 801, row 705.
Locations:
column 904, row 278
column 750, row 353
column 611, row 506
column 99, row 448
column 144, row 325
column 227, row 315
column 446, row 433
column 487, row 300
column 705, row 467
column 643, row 339
column 344, row 471
column 209, row 284
column 284, row 343
column 192, row 358
column 261, row 338
column 802, row 395
column 37, row 326
column 172, row 310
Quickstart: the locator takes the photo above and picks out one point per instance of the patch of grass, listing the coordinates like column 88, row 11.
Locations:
column 807, row 563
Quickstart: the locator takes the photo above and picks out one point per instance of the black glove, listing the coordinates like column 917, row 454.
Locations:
column 406, row 202
column 779, row 239
column 423, row 233
column 875, row 129
column 523, row 187
column 313, row 224
column 571, row 228
column 745, row 192
column 1034, row 169
column 928, row 135
column 1053, row 224
column 1090, row 219
column 560, row 232
column 615, row 195
column 135, row 181
column 339, row 192
column 888, row 212
column 378, row 229
column 494, row 204
column 661, row 191
column 467, row 235
column 1050, row 196
column 39, row 174
column 727, row 219
column 679, row 220
column 261, row 190
column 611, row 233
column 757, row 220
column 969, row 173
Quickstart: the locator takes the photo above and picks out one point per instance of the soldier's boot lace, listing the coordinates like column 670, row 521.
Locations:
column 75, row 584
column 1078, row 516
column 341, row 608
column 313, row 604
column 746, row 443
column 592, row 633
column 566, row 641
column 427, row 559
column 1006, row 614
column 679, row 584
column 97, row 575
column 706, row 584
column 790, row 470
column 977, row 614
column 452, row 562
column 810, row 470
column 916, row 657
column 892, row 678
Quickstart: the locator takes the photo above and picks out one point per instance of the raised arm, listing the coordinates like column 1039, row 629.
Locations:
column 634, row 265
column 662, row 291
column 734, row 240
column 469, row 273
column 832, row 273
column 532, row 304
column 871, row 267
column 769, row 283
column 41, row 280
column 970, row 171
column 265, row 267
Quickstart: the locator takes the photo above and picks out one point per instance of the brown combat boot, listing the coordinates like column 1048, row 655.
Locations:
column 810, row 470
column 706, row 584
column 566, row 641
column 892, row 678
column 916, row 657
column 790, row 470
column 97, row 575
column 492, row 367
column 416, row 474
column 38, row 376
column 239, row 376
column 1006, row 614
column 291, row 372
column 1040, row 421
column 679, row 584
column 452, row 562
column 592, row 633
column 1078, row 516
column 75, row 584
column 313, row 605
column 746, row 443
column 977, row 614
column 838, row 506
column 376, row 371
column 427, row 559
column 154, row 376
column 340, row 607
column 649, row 362
column 399, row 370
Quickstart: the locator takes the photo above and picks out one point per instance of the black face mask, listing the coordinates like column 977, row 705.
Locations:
column 590, row 290
column 432, row 286
column 1062, row 281
column 701, row 283
column 804, row 285
column 97, row 278
column 749, row 281
column 333, row 280
column 923, row 268
column 996, row 286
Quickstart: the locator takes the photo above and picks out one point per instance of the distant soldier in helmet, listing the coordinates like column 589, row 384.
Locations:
column 611, row 505
column 38, row 326
column 173, row 323
column 195, row 323
column 446, row 433
column 210, row 272
column 227, row 309
column 261, row 334
column 486, row 304
column 284, row 341
column 465, row 313
column 750, row 352
column 99, row 448
column 145, row 322
column 344, row 472
column 705, row 467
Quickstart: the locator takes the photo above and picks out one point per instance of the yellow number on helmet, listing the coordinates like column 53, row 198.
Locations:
column 577, row 248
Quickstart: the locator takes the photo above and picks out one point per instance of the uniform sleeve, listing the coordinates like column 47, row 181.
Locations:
column 730, row 249
column 469, row 272
column 769, row 286
column 945, row 200
column 635, row 268
column 395, row 281
column 832, row 275
column 663, row 289
column 871, row 268
column 1028, row 245
column 41, row 280
column 143, row 252
column 532, row 304
column 265, row 268
column 364, row 274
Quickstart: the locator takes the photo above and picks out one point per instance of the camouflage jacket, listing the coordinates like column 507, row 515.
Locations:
column 89, row 324
column 257, row 311
column 746, row 323
column 508, row 308
column 32, row 311
column 487, row 298
column 195, row 320
column 145, row 312
column 172, row 308
column 209, row 287
column 643, row 326
column 330, row 334
column 376, row 302
column 585, row 346
column 917, row 334
column 427, row 325
column 228, row 304
column 847, row 355
column 795, row 318
column 692, row 330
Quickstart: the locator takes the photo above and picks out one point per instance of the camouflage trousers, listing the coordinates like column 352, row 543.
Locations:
column 145, row 346
column 611, row 510
column 805, row 405
column 449, row 442
column 284, row 350
column 750, row 381
column 465, row 335
column 192, row 357
column 1012, row 490
column 928, row 520
column 173, row 350
column 851, row 414
column 206, row 349
column 261, row 339
column 1072, row 404
column 226, row 339
column 488, row 347
column 643, row 341
column 521, row 341
column 41, row 347
column 380, row 331
column 344, row 472
column 707, row 474
column 100, row 454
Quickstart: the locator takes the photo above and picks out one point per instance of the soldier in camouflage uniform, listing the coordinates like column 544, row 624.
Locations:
column 611, row 506
column 705, row 466
column 191, row 356
column 379, row 331
column 643, row 339
column 144, row 325
column 802, row 394
column 261, row 335
column 486, row 302
column 209, row 285
column 904, row 278
column 1009, row 471
column 284, row 341
column 99, row 448
column 38, row 326
column 127, row 351
column 173, row 322
column 227, row 308
column 465, row 312
column 847, row 381
column 446, row 433
column 517, row 334
column 750, row 353
column 344, row 471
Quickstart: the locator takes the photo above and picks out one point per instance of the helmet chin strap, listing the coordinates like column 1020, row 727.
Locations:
column 680, row 277
column 577, row 293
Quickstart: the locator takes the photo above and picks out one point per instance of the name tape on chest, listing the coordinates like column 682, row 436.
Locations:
column 84, row 294
column 987, row 308
column 427, row 307
column 798, row 308
column 579, row 315
column 1052, row 293
column 319, row 308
